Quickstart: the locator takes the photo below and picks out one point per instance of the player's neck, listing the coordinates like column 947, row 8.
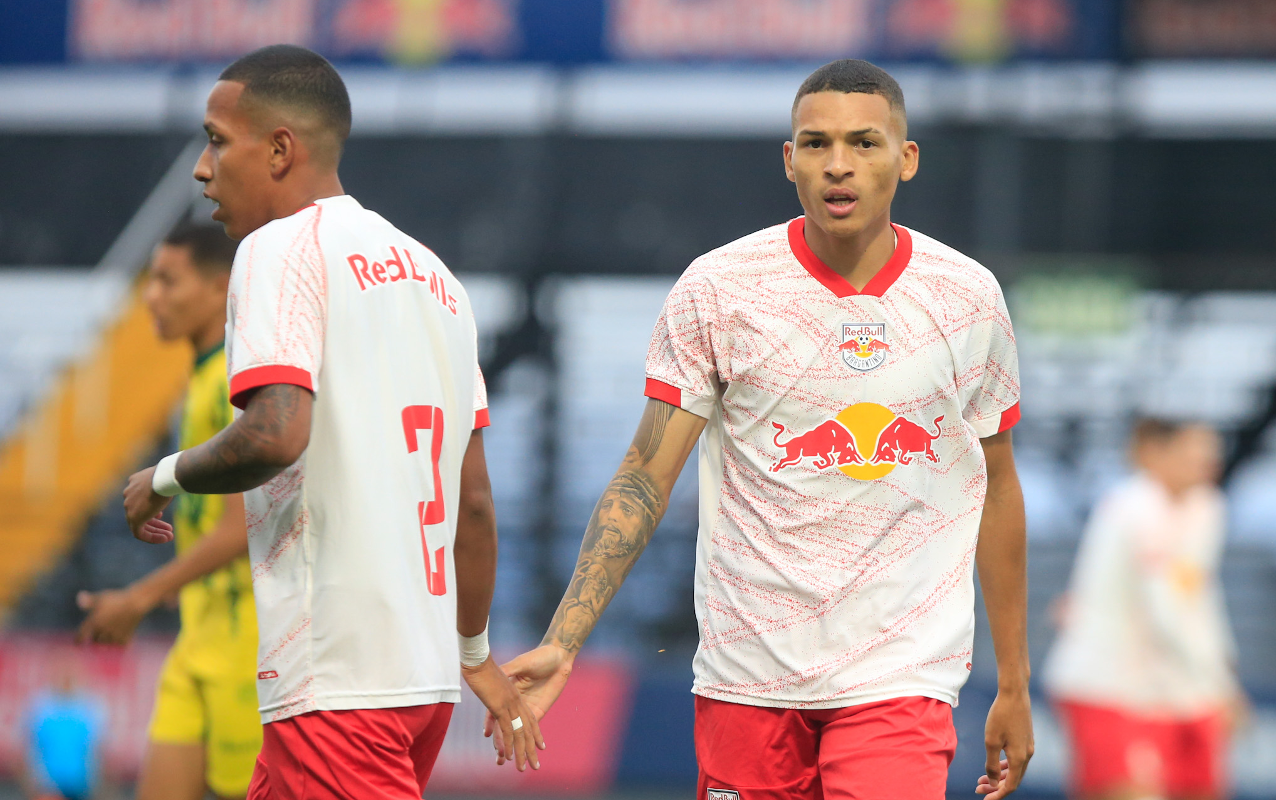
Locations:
column 209, row 336
column 306, row 192
column 856, row 258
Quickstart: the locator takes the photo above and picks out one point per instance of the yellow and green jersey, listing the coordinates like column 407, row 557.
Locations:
column 219, row 619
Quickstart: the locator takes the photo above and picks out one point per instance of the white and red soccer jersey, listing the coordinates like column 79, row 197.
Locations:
column 351, row 547
column 1145, row 628
column 841, row 476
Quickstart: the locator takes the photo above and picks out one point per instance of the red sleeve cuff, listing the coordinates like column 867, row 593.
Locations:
column 1008, row 418
column 257, row 377
column 481, row 419
column 659, row 390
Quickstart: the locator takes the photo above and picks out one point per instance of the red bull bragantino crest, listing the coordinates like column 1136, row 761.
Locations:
column 864, row 345
column 865, row 441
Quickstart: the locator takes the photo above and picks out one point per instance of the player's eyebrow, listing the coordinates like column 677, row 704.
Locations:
column 859, row 132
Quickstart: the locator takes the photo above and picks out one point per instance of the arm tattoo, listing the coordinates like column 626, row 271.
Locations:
column 651, row 431
column 245, row 454
column 622, row 524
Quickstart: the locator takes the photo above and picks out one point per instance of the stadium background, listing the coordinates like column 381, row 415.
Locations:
column 1112, row 161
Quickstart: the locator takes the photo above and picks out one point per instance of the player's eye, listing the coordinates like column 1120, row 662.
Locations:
column 814, row 143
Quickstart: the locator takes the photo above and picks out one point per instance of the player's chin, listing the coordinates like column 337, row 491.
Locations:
column 840, row 225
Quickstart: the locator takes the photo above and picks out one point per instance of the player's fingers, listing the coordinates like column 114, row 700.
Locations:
column 530, row 736
column 84, row 600
column 1015, row 766
column 156, row 532
column 519, row 745
column 533, row 727
column 507, row 737
column 992, row 765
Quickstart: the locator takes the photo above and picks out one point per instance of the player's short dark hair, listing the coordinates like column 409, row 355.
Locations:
column 852, row 75
column 290, row 77
column 211, row 250
column 1157, row 430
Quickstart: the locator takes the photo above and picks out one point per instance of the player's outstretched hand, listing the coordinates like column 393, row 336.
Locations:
column 1009, row 730
column 143, row 507
column 539, row 675
column 517, row 741
column 113, row 616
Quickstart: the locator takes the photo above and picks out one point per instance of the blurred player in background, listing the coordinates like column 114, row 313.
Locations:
column 65, row 728
column 855, row 383
column 1142, row 669
column 205, row 733
column 352, row 352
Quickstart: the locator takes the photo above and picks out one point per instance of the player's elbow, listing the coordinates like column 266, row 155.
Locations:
column 475, row 506
column 283, row 455
column 281, row 451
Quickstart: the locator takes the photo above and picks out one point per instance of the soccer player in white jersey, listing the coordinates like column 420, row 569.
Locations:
column 352, row 353
column 1142, row 670
column 852, row 384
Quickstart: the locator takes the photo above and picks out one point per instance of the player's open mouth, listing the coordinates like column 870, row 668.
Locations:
column 840, row 202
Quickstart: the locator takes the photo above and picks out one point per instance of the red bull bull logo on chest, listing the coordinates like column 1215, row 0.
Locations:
column 865, row 441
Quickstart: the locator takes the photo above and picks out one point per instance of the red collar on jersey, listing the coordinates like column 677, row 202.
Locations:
column 876, row 287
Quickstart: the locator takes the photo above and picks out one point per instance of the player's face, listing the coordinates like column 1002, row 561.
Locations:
column 182, row 300
column 847, row 156
column 236, row 167
column 1192, row 457
column 1195, row 455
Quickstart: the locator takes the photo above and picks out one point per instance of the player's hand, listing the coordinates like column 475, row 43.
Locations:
column 539, row 675
column 504, row 705
column 1238, row 714
column 1009, row 729
column 113, row 615
column 143, row 508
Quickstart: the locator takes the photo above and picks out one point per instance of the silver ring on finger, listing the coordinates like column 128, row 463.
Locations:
column 517, row 723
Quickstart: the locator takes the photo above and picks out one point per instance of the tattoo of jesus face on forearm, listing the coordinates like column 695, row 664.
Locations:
column 622, row 524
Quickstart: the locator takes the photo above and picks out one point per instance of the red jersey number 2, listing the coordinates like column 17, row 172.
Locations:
column 429, row 418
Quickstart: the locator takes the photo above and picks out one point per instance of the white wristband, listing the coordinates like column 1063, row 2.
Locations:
column 474, row 649
column 164, row 483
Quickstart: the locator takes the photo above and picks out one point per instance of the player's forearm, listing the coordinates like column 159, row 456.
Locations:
column 474, row 549
column 227, row 542
column 1002, row 560
column 606, row 557
column 624, row 519
column 270, row 436
column 475, row 558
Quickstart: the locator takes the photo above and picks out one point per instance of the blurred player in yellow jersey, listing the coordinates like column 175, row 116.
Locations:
column 206, row 731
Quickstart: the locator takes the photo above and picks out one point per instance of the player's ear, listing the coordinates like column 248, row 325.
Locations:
column 912, row 158
column 788, row 161
column 283, row 151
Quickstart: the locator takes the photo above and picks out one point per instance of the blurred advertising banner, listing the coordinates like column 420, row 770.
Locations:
column 1204, row 28
column 561, row 31
column 122, row 680
column 583, row 733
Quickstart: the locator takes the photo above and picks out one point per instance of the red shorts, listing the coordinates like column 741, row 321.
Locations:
column 1113, row 750
column 350, row 755
column 892, row 750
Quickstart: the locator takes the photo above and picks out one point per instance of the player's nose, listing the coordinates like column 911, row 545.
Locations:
column 838, row 164
column 204, row 166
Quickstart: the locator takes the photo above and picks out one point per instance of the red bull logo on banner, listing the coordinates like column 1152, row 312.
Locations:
column 865, row 441
column 864, row 345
